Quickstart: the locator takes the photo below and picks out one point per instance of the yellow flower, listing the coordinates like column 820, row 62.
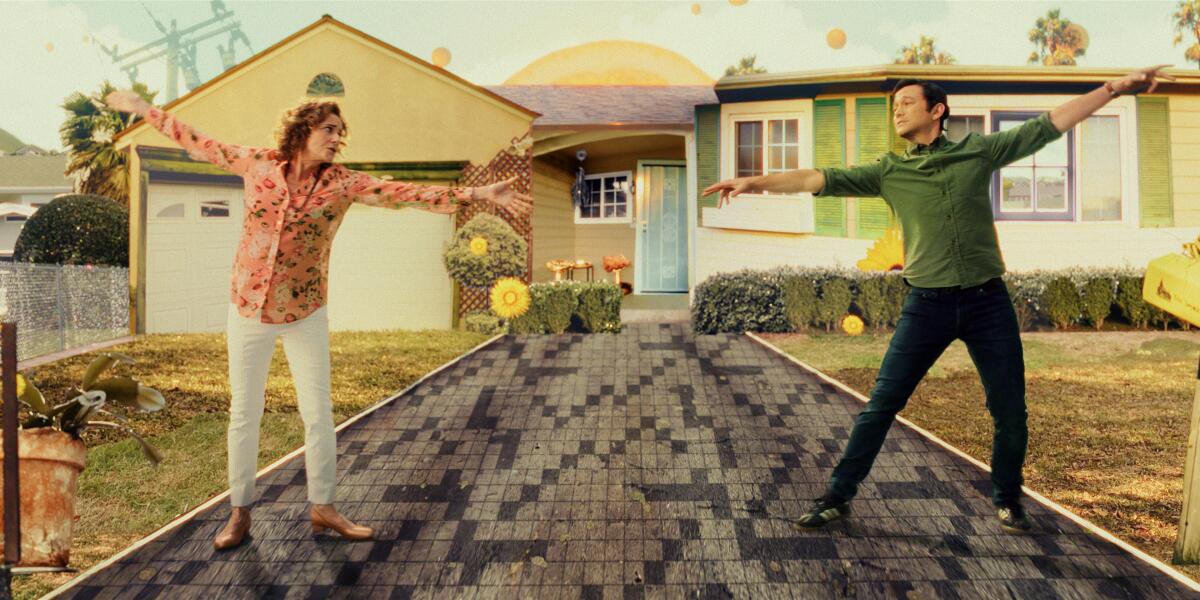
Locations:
column 887, row 254
column 852, row 325
column 510, row 298
column 479, row 246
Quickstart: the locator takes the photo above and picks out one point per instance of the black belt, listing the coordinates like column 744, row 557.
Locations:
column 991, row 284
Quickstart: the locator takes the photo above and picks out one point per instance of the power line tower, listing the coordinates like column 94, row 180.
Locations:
column 179, row 48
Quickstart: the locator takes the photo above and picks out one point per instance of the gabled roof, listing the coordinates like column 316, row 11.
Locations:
column 956, row 79
column 32, row 171
column 328, row 21
column 630, row 106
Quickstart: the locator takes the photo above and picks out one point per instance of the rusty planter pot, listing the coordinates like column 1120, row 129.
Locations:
column 50, row 465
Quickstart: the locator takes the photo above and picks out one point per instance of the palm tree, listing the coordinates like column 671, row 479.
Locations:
column 1058, row 41
column 923, row 52
column 745, row 66
column 93, row 160
column 1187, row 20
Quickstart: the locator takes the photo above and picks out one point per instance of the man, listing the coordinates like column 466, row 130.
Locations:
column 940, row 192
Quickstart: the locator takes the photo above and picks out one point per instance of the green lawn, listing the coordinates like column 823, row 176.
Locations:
column 1108, row 418
column 122, row 498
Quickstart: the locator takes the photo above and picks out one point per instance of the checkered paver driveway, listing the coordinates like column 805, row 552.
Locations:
column 648, row 464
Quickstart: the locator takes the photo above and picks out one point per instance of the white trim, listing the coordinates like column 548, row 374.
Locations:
column 629, row 200
column 1082, row 522
column 693, row 202
column 271, row 467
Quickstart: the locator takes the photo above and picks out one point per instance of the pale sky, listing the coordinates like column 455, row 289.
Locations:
column 48, row 51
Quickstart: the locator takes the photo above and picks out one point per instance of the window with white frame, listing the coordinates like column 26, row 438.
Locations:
column 607, row 199
column 1037, row 187
column 959, row 126
column 766, row 146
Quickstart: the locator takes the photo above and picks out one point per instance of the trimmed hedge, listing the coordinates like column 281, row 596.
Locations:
column 581, row 306
column 79, row 229
column 505, row 256
column 796, row 299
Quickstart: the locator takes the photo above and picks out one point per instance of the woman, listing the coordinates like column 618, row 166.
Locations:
column 295, row 200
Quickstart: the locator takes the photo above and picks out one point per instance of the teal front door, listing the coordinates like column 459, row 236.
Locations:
column 662, row 234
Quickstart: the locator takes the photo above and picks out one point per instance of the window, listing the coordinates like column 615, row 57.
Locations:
column 778, row 152
column 1037, row 187
column 1099, row 173
column 10, row 218
column 171, row 211
column 606, row 199
column 957, row 128
column 214, row 209
column 326, row 84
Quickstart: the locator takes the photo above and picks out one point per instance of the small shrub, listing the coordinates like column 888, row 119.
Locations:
column 834, row 302
column 78, row 229
column 1061, row 302
column 1097, row 301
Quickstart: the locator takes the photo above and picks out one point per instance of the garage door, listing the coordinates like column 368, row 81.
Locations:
column 385, row 269
column 191, row 237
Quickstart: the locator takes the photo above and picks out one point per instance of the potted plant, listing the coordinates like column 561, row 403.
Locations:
column 52, row 453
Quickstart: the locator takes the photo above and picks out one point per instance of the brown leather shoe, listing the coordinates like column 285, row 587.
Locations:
column 325, row 516
column 235, row 530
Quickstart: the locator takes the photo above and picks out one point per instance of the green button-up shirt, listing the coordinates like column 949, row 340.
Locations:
column 941, row 195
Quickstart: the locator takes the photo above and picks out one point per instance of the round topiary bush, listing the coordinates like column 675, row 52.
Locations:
column 76, row 230
column 475, row 263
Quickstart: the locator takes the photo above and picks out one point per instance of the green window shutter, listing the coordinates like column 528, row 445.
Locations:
column 1154, row 161
column 708, row 151
column 873, row 126
column 829, row 150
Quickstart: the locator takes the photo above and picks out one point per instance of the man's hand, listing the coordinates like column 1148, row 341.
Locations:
column 1141, row 80
column 730, row 188
column 504, row 195
column 127, row 101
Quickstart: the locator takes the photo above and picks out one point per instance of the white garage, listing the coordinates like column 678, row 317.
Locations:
column 191, row 236
column 385, row 269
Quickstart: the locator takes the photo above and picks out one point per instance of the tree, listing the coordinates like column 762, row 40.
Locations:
column 1187, row 21
column 1058, row 40
column 76, row 230
column 87, row 135
column 923, row 52
column 745, row 66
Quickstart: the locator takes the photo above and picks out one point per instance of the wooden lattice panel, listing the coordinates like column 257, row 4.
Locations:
column 516, row 161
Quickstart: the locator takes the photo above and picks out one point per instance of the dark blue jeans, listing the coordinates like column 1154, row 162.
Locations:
column 984, row 319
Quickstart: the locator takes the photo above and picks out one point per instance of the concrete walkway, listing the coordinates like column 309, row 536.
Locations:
column 648, row 464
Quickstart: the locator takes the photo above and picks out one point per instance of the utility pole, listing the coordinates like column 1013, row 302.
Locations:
column 178, row 46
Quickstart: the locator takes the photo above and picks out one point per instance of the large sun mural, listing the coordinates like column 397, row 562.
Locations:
column 611, row 62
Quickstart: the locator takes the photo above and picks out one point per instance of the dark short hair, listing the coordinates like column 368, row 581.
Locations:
column 934, row 95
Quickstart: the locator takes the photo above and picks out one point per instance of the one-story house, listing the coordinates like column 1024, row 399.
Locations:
column 1117, row 190
column 407, row 119
column 28, row 181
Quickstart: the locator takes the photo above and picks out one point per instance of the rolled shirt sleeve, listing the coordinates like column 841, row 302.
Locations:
column 1005, row 147
column 862, row 181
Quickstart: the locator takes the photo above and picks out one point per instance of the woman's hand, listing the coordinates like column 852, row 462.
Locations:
column 127, row 101
column 504, row 195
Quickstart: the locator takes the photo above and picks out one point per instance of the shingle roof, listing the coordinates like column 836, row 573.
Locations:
column 34, row 171
column 566, row 105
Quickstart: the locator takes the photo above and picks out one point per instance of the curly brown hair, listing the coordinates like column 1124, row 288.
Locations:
column 299, row 122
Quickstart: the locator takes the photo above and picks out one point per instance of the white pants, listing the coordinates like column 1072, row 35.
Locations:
column 306, row 344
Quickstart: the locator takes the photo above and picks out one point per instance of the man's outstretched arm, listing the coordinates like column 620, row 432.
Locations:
column 790, row 182
column 1072, row 112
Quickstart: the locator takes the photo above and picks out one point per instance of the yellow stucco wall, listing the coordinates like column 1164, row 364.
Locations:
column 398, row 109
column 1185, row 159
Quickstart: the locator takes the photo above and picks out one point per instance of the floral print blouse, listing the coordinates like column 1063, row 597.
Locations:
column 280, row 272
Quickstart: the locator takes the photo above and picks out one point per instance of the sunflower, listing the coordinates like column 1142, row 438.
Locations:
column 510, row 298
column 479, row 246
column 852, row 325
column 887, row 254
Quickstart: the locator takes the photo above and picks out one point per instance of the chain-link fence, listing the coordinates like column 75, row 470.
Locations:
column 59, row 307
